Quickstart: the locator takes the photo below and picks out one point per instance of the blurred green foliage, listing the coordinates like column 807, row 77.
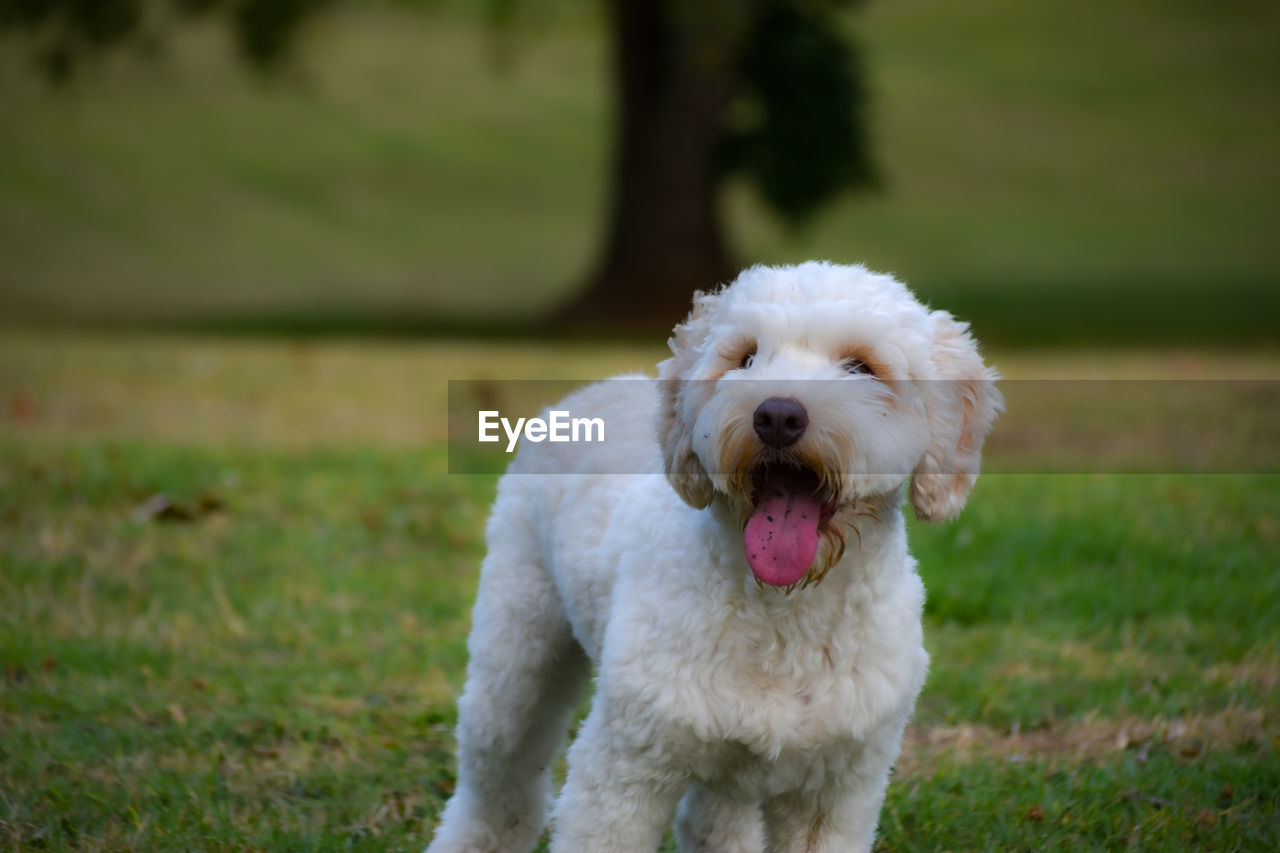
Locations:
column 66, row 31
column 1095, row 173
column 803, row 135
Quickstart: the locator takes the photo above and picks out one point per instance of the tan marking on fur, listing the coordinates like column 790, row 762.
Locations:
column 743, row 479
column 813, row 838
column 968, row 418
column 734, row 353
column 946, row 473
column 741, row 466
column 867, row 356
column 834, row 543
column 681, row 466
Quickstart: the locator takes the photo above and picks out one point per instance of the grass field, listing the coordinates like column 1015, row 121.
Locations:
column 268, row 656
column 235, row 575
column 1094, row 172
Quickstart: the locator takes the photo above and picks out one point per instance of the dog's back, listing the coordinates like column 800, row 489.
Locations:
column 557, row 501
column 628, row 407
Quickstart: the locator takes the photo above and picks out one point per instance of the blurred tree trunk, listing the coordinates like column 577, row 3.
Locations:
column 677, row 66
column 674, row 67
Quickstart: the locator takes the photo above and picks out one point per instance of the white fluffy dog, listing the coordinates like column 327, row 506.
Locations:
column 754, row 616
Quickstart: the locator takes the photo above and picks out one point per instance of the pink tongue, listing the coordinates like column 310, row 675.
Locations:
column 781, row 536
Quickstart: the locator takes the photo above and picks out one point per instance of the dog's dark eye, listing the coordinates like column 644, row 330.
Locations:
column 748, row 359
column 857, row 366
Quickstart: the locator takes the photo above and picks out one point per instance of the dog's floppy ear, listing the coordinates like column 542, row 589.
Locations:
column 675, row 433
column 961, row 402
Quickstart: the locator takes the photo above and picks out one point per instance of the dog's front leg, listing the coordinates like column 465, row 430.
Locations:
column 820, row 822
column 619, row 796
column 830, row 820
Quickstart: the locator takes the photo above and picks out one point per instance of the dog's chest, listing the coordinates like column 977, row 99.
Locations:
column 740, row 772
column 761, row 715
column 765, row 723
column 788, row 734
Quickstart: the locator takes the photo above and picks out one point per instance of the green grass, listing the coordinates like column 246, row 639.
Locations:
column 370, row 180
column 1155, row 595
column 272, row 662
column 1097, row 172
column 1156, row 800
column 277, row 673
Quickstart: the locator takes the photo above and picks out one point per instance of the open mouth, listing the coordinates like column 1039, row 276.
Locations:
column 781, row 536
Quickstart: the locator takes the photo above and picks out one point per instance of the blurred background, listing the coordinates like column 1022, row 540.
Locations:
column 1089, row 173
column 246, row 246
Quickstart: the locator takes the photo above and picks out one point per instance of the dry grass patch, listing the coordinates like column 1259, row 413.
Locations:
column 1092, row 740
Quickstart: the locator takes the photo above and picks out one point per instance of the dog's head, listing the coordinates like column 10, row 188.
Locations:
column 803, row 397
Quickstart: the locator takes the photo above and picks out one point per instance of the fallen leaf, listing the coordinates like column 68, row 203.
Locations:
column 1158, row 802
column 208, row 504
column 160, row 508
column 22, row 407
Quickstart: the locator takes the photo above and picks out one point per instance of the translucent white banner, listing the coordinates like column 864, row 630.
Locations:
column 1047, row 426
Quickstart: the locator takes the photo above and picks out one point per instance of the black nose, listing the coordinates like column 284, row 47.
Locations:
column 780, row 421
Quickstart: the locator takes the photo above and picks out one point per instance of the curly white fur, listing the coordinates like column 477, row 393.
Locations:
column 770, row 715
